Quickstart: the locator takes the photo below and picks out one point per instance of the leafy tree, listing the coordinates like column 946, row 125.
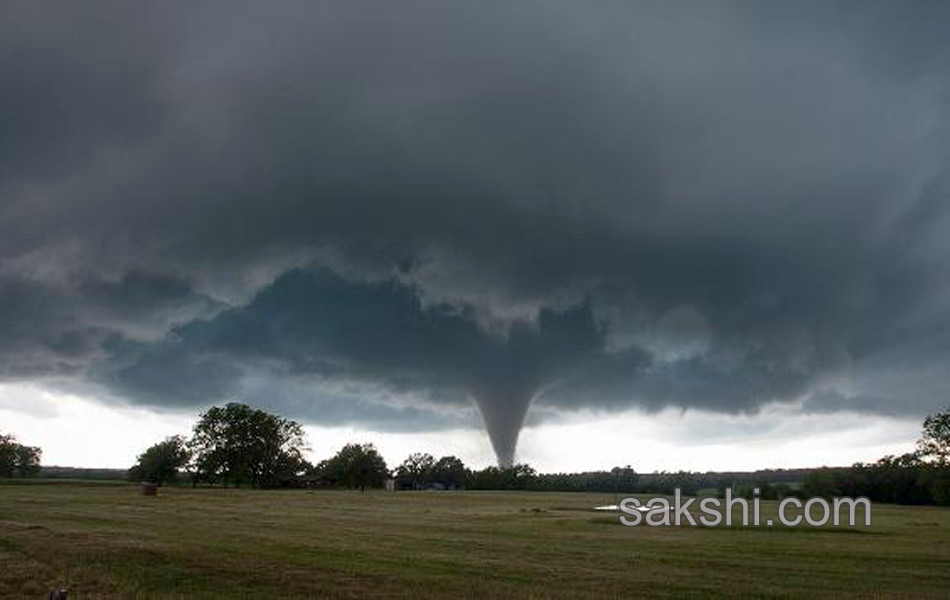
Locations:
column 450, row 472
column 237, row 444
column 28, row 460
column 935, row 439
column 161, row 462
column 17, row 460
column 356, row 465
column 417, row 469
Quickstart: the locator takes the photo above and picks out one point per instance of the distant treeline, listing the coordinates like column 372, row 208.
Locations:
column 901, row 480
column 54, row 472
column 904, row 479
column 237, row 445
column 627, row 480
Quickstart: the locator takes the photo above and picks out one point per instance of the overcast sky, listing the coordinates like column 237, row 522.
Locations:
column 706, row 235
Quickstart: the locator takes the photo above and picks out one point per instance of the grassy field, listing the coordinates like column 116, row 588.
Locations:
column 110, row 542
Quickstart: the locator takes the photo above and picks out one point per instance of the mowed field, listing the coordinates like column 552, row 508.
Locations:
column 108, row 541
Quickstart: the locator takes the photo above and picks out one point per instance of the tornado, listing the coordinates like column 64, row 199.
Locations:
column 504, row 384
column 503, row 405
column 503, row 417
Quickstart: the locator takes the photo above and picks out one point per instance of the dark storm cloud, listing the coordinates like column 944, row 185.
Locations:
column 746, row 203
column 59, row 326
column 317, row 326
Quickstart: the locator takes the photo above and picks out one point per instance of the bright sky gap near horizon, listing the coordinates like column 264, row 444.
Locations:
column 692, row 235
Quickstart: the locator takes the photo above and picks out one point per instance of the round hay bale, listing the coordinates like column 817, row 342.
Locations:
column 149, row 489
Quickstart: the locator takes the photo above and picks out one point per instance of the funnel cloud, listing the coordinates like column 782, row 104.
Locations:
column 427, row 216
column 503, row 415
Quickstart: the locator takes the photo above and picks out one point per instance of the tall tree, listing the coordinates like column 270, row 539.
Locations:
column 355, row 466
column 17, row 460
column 237, row 444
column 935, row 439
column 450, row 472
column 161, row 462
column 417, row 469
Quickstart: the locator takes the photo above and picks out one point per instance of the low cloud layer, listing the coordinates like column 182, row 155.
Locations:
column 376, row 214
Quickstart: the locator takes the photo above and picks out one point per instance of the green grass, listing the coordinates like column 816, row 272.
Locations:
column 110, row 542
